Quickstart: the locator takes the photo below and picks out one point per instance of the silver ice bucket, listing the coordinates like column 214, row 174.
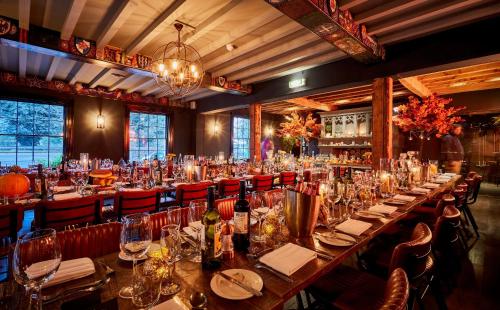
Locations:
column 200, row 173
column 301, row 213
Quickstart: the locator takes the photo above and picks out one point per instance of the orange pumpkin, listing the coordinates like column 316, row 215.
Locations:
column 14, row 184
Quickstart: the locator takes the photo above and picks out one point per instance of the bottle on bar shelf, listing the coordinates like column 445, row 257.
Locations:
column 211, row 255
column 241, row 235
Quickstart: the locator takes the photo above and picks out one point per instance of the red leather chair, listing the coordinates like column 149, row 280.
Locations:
column 10, row 222
column 287, row 178
column 226, row 207
column 185, row 193
column 136, row 202
column 68, row 214
column 229, row 187
column 160, row 219
column 262, row 183
column 92, row 241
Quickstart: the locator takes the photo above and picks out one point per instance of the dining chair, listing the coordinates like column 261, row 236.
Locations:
column 229, row 187
column 69, row 213
column 287, row 178
column 10, row 223
column 185, row 193
column 226, row 207
column 262, row 183
column 91, row 241
column 136, row 202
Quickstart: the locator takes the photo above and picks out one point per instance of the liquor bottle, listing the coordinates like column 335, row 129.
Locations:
column 211, row 255
column 40, row 183
column 348, row 178
column 241, row 235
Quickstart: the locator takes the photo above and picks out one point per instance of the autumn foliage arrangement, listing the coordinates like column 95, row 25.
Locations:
column 431, row 115
column 300, row 127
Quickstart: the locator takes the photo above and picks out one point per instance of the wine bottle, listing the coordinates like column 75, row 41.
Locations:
column 41, row 183
column 241, row 235
column 211, row 256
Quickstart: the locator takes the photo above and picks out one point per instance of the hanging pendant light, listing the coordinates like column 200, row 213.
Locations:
column 178, row 67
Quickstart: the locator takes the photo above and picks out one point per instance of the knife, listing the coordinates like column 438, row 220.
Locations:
column 240, row 284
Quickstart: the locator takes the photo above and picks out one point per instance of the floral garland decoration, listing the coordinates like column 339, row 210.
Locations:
column 299, row 127
column 430, row 116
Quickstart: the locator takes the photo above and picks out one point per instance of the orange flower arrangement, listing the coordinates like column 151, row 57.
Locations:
column 431, row 115
column 298, row 127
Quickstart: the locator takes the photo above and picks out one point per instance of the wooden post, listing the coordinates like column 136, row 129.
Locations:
column 255, row 111
column 382, row 120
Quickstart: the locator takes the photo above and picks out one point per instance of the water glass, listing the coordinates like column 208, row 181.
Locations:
column 259, row 210
column 170, row 248
column 195, row 213
column 146, row 284
column 36, row 259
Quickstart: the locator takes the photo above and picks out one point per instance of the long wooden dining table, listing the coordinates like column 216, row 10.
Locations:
column 275, row 291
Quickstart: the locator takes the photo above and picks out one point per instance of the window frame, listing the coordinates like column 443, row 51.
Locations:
column 233, row 117
column 67, row 120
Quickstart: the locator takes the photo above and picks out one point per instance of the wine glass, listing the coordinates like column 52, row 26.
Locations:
column 347, row 196
column 195, row 213
column 147, row 283
column 335, row 214
column 259, row 210
column 170, row 246
column 135, row 238
column 37, row 257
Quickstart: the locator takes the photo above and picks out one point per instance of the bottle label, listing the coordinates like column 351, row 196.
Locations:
column 217, row 239
column 240, row 222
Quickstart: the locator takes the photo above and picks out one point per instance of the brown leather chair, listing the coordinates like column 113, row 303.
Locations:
column 262, row 183
column 136, row 202
column 446, row 237
column 69, row 213
column 287, row 178
column 229, row 187
column 92, row 241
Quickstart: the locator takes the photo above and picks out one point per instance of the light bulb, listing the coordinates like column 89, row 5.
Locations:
column 193, row 68
column 161, row 67
column 196, row 74
column 181, row 76
column 174, row 65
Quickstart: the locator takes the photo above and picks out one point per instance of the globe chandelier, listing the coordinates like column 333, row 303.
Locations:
column 177, row 67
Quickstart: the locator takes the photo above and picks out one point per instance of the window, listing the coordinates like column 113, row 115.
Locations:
column 148, row 136
column 241, row 138
column 31, row 133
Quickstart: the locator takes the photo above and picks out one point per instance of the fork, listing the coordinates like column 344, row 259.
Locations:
column 274, row 272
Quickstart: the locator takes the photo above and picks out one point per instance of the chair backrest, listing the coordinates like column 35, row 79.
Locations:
column 262, row 183
column 187, row 192
column 10, row 222
column 445, row 234
column 158, row 220
column 287, row 178
column 92, row 241
column 136, row 202
column 477, row 187
column 69, row 213
column 397, row 291
column 229, row 187
column 414, row 255
column 226, row 207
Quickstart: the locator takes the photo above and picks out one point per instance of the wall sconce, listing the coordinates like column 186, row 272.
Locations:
column 100, row 121
column 216, row 128
column 268, row 131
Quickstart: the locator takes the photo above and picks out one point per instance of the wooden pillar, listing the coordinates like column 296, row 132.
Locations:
column 255, row 111
column 382, row 120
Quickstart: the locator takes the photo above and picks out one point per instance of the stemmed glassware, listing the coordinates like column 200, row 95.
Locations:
column 259, row 210
column 170, row 246
column 348, row 195
column 37, row 257
column 195, row 213
column 135, row 239
column 335, row 215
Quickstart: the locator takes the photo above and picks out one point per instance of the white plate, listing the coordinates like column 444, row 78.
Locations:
column 328, row 239
column 225, row 289
column 152, row 248
column 369, row 215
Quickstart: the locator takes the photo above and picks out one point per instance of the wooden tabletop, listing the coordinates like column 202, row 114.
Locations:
column 276, row 291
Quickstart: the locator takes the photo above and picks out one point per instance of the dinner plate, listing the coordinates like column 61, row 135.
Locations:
column 372, row 215
column 329, row 239
column 225, row 289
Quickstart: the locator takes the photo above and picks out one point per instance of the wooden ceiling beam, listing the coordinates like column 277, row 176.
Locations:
column 99, row 78
column 24, row 14
column 418, row 16
column 347, row 4
column 433, row 26
column 46, row 13
column 202, row 93
column 72, row 17
column 467, row 88
column 469, row 70
column 342, row 92
column 153, row 89
column 118, row 15
column 295, row 66
column 297, row 54
column 285, row 46
column 152, row 30
column 77, row 77
column 386, row 9
column 23, row 62
column 242, row 30
column 122, row 81
column 308, row 103
column 463, row 78
column 414, row 85
column 264, row 40
column 52, row 68
column 141, row 84
column 37, row 63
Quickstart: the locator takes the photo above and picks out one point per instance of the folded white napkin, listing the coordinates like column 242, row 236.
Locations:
column 441, row 180
column 383, row 209
column 404, row 198
column 420, row 190
column 430, row 185
column 450, row 174
column 128, row 189
column 66, row 196
column 71, row 270
column 288, row 258
column 174, row 303
column 193, row 232
column 354, row 227
column 62, row 188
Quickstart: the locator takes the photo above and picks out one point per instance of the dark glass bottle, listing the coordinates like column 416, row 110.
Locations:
column 41, row 183
column 241, row 235
column 211, row 255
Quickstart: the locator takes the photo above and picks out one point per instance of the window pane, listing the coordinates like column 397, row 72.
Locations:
column 25, row 126
column 56, row 128
column 24, row 159
column 146, row 133
column 41, row 111
column 8, row 109
column 24, row 144
column 41, row 143
column 8, row 126
column 41, row 126
column 57, row 112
